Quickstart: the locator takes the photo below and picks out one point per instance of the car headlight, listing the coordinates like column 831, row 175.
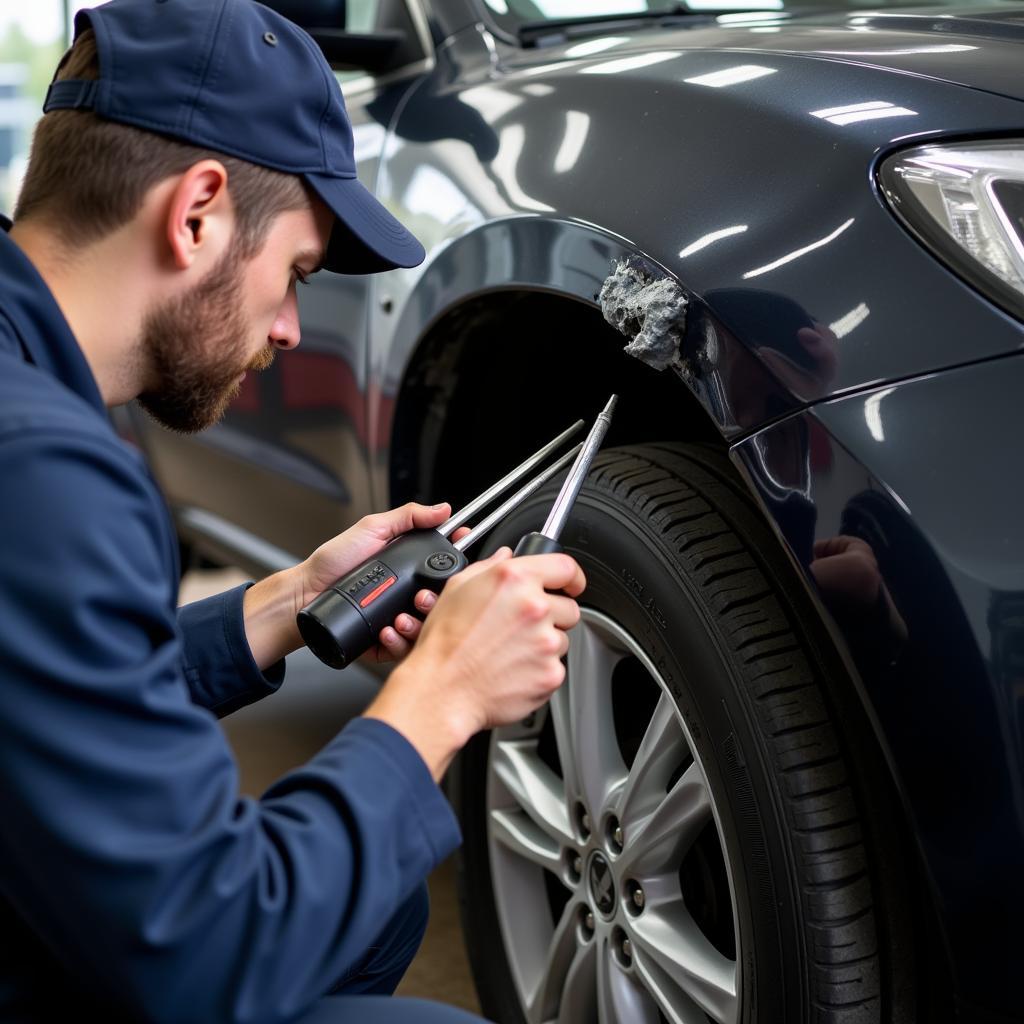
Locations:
column 966, row 203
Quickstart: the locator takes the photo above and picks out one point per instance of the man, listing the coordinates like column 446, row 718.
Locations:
column 194, row 164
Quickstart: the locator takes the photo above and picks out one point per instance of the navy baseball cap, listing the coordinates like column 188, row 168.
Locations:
column 236, row 77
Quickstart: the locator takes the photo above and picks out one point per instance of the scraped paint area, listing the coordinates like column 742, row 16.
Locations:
column 648, row 308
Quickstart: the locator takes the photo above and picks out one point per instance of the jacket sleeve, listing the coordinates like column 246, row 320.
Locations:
column 217, row 662
column 127, row 847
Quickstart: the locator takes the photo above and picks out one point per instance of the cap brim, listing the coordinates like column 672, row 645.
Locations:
column 366, row 239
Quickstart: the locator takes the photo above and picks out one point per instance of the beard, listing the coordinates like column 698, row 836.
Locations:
column 195, row 350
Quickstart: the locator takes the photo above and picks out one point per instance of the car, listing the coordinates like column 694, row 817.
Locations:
column 784, row 779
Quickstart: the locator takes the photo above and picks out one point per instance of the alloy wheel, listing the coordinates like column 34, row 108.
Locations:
column 609, row 871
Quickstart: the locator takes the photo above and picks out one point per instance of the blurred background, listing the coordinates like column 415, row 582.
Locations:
column 33, row 35
column 282, row 731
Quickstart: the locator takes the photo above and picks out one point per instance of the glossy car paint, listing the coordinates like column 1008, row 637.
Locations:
column 927, row 472
column 730, row 155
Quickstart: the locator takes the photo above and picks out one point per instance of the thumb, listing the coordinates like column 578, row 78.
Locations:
column 425, row 516
column 501, row 555
column 412, row 515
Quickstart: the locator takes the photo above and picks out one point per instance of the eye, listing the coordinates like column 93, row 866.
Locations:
column 300, row 276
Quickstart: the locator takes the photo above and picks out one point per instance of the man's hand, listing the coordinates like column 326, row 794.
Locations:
column 272, row 604
column 489, row 654
column 360, row 542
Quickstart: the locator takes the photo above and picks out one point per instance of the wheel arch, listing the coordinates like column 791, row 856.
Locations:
column 501, row 335
column 502, row 372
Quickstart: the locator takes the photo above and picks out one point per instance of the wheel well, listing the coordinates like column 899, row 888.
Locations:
column 504, row 372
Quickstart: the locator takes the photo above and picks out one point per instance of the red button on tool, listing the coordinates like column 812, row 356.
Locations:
column 374, row 594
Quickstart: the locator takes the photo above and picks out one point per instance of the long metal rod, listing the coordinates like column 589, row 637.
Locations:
column 468, row 511
column 574, row 481
column 517, row 499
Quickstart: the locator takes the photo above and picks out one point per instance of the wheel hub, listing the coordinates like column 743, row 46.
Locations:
column 602, row 885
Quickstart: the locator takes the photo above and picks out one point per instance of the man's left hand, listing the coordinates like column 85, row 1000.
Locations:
column 340, row 555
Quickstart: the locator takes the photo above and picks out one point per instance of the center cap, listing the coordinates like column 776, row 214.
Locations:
column 602, row 885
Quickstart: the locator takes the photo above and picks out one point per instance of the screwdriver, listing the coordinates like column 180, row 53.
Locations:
column 345, row 620
column 545, row 541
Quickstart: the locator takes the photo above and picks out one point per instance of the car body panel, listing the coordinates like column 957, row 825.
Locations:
column 491, row 147
column 909, row 469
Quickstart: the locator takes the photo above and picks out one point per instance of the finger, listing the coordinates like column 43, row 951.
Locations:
column 408, row 628
column 556, row 572
column 424, row 601
column 412, row 515
column 393, row 644
column 425, row 516
column 564, row 650
column 565, row 612
column 459, row 533
column 501, row 555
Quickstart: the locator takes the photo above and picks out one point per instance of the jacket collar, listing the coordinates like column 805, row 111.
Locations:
column 46, row 340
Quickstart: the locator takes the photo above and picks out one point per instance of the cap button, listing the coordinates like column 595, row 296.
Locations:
column 270, row 39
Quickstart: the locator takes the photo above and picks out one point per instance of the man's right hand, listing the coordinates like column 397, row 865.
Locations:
column 489, row 654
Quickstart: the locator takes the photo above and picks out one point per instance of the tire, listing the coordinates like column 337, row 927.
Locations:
column 776, row 883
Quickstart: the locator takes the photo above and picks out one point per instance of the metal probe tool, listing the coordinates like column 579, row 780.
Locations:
column 345, row 620
column 546, row 540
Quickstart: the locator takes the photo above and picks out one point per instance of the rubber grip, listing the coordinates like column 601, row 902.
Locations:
column 537, row 544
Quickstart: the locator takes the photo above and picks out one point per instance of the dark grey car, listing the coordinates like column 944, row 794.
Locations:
column 784, row 780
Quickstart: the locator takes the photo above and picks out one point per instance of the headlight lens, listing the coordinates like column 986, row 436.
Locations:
column 966, row 202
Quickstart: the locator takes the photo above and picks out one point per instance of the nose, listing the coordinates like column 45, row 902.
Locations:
column 284, row 332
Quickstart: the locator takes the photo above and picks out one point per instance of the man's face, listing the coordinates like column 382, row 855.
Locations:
column 200, row 345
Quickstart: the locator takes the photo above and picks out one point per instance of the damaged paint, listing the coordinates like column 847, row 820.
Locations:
column 649, row 308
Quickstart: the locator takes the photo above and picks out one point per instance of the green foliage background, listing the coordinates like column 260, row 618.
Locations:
column 17, row 48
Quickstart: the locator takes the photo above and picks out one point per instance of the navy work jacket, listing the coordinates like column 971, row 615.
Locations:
column 135, row 881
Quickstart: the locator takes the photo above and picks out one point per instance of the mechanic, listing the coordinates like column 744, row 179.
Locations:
column 194, row 164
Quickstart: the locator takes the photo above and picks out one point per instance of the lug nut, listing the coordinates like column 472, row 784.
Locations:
column 613, row 832
column 589, row 920
column 583, row 821
column 636, row 897
column 623, row 947
column 573, row 865
column 586, row 924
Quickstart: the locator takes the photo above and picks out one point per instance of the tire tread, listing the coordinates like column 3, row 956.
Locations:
column 703, row 526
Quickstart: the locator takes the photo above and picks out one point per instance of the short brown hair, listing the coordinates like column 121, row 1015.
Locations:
column 87, row 176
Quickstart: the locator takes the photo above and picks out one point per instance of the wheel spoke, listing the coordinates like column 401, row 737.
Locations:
column 534, row 786
column 591, row 727
column 658, row 843
column 561, row 717
column 680, row 966
column 620, row 1000
column 579, row 996
column 562, row 953
column 661, row 752
column 522, row 835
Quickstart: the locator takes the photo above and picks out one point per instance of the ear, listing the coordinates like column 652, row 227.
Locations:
column 199, row 213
